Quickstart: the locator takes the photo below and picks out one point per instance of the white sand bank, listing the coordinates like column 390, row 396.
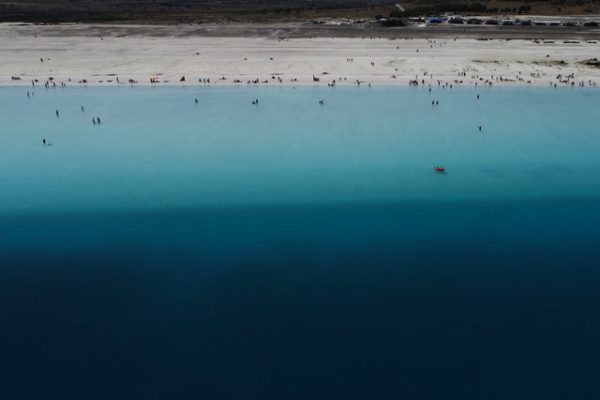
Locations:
column 80, row 55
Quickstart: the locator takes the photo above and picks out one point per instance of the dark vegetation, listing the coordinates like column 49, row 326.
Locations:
column 593, row 62
column 174, row 10
column 198, row 11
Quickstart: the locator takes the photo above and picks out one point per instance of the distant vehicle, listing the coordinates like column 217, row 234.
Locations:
column 570, row 23
column 492, row 22
column 435, row 20
column 526, row 22
column 554, row 23
column 540, row 23
column 456, row 20
column 474, row 21
column 590, row 23
column 507, row 22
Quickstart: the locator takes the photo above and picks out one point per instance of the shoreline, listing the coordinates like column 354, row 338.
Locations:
column 93, row 55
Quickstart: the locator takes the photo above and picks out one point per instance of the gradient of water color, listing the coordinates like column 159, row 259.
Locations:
column 292, row 250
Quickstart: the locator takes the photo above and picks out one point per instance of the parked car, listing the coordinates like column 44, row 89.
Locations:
column 474, row 21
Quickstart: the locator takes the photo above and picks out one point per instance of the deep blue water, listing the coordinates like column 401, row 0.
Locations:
column 293, row 252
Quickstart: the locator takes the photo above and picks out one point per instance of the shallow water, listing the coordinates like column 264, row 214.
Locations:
column 294, row 251
column 156, row 149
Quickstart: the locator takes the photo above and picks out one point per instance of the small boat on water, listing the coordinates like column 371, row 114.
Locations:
column 437, row 168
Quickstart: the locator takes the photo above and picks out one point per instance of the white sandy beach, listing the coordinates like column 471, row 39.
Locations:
column 82, row 56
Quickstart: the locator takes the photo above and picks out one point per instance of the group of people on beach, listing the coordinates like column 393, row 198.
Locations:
column 462, row 77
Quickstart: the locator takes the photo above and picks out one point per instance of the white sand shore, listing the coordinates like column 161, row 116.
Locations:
column 80, row 56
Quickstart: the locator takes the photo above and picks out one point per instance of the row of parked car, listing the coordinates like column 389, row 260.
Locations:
column 493, row 21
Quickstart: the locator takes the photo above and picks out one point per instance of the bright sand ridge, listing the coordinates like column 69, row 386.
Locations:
column 73, row 58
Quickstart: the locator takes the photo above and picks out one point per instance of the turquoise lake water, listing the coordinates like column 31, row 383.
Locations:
column 156, row 149
column 293, row 250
